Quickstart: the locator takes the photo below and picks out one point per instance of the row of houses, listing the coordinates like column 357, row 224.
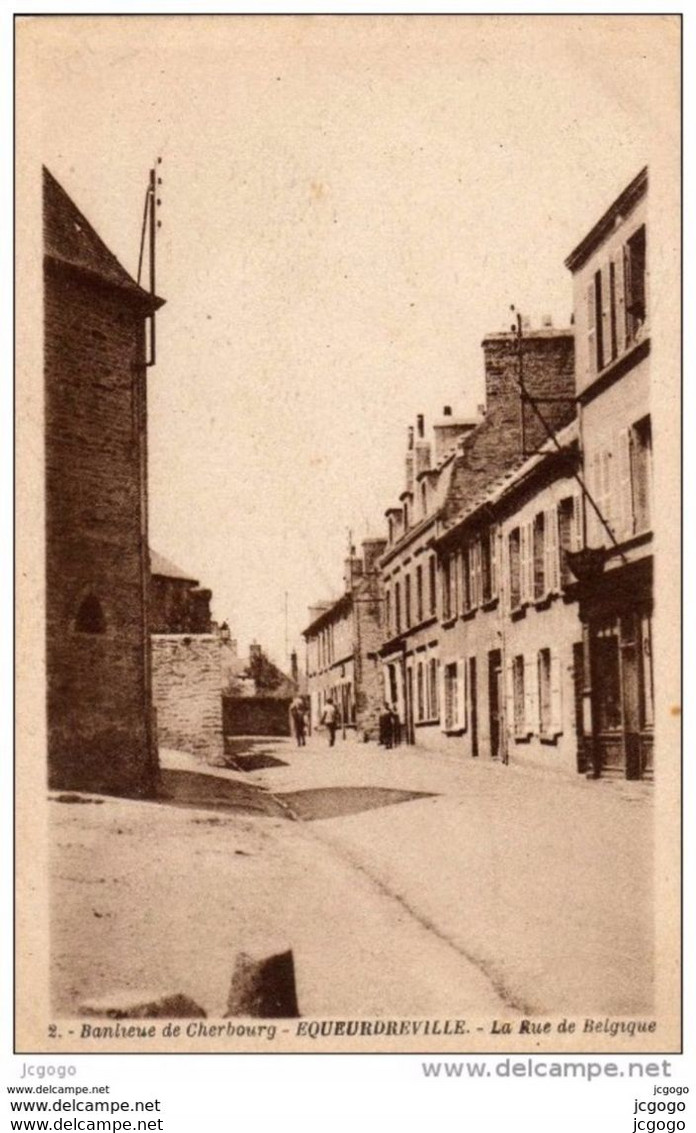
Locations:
column 507, row 612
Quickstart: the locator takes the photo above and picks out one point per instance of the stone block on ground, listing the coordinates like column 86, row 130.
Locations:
column 264, row 988
column 142, row 1005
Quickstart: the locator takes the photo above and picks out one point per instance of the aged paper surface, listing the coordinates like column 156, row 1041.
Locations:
column 349, row 206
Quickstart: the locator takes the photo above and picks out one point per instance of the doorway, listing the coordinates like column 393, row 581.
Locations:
column 473, row 707
column 495, row 700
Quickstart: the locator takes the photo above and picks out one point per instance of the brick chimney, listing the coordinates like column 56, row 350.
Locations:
column 409, row 461
column 548, row 372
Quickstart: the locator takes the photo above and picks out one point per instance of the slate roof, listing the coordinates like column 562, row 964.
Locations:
column 71, row 241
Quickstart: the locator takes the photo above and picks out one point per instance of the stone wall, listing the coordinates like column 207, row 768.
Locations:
column 97, row 662
column 256, row 715
column 187, row 690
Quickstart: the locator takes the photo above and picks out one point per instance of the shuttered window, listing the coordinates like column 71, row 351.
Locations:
column 514, row 568
column 540, row 564
column 518, row 696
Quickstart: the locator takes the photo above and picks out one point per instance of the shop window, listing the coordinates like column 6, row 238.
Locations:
column 606, row 679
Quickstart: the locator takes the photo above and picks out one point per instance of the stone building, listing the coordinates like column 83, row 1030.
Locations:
column 178, row 604
column 615, row 565
column 428, row 589
column 101, row 733
column 410, row 651
column 190, row 660
column 511, row 647
column 343, row 640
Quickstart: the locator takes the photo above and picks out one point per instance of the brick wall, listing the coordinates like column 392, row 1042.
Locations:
column 187, row 690
column 496, row 444
column 99, row 707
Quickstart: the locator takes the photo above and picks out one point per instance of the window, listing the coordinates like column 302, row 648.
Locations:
column 616, row 308
column 514, row 565
column 390, row 524
column 419, row 593
column 405, row 517
column 432, row 688
column 545, row 692
column 420, row 691
column 424, row 498
column 454, row 585
column 569, row 535
column 518, row 699
column 466, row 579
column 90, row 616
column 388, row 610
column 634, row 285
column 446, row 588
column 488, row 566
column 451, row 699
column 475, row 574
column 432, row 569
column 539, row 557
column 641, row 474
column 397, row 607
column 599, row 339
column 407, row 601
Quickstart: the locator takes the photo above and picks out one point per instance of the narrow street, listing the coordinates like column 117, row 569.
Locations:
column 405, row 883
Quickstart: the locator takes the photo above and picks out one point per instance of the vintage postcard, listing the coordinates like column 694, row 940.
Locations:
column 348, row 555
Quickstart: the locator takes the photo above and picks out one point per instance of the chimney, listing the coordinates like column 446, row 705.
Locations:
column 254, row 650
column 352, row 570
column 409, row 461
column 547, row 362
column 448, row 431
column 420, row 422
column 372, row 551
column 294, row 668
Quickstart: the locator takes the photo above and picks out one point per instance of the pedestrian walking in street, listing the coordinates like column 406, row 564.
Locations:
column 298, row 721
column 329, row 717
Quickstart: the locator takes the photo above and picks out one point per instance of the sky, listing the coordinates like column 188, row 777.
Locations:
column 349, row 204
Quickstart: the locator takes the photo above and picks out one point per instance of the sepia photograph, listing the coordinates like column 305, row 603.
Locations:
column 348, row 434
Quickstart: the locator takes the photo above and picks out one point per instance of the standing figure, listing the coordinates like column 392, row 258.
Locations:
column 298, row 721
column 386, row 726
column 330, row 717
